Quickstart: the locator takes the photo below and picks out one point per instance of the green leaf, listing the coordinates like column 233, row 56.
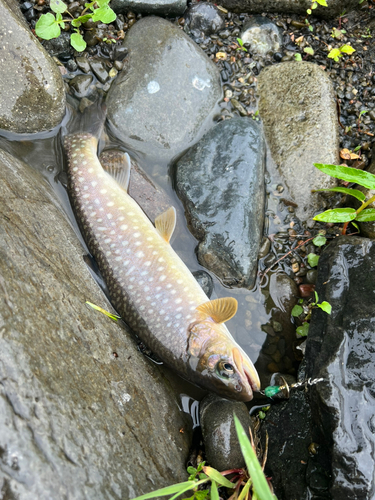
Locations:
column 316, row 297
column 58, row 6
column 355, row 225
column 314, row 5
column 214, row 492
column 309, row 50
column 325, row 306
column 334, row 54
column 337, row 215
column 60, row 21
column 191, row 470
column 308, row 11
column 303, row 330
column 262, row 415
column 47, row 27
column 169, row 490
column 347, row 49
column 297, row 310
column 311, row 28
column 104, row 14
column 298, row 57
column 322, row 2
column 348, row 174
column 203, row 476
column 366, row 215
column 319, row 240
column 363, row 112
column 215, row 475
column 352, row 192
column 200, row 495
column 313, row 259
column 240, row 42
column 77, row 41
column 257, row 476
column 103, row 311
column 245, row 490
column 80, row 20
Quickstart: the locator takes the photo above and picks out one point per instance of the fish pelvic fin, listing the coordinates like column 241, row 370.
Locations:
column 118, row 165
column 165, row 223
column 220, row 310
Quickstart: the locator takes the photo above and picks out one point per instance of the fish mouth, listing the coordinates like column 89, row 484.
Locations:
column 246, row 369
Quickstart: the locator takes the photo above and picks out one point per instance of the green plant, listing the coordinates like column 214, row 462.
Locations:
column 314, row 5
column 203, row 474
column 297, row 310
column 49, row 26
column 240, row 43
column 346, row 215
column 338, row 34
column 336, row 53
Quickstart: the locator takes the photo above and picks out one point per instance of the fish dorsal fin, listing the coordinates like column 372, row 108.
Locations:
column 220, row 310
column 165, row 223
column 118, row 166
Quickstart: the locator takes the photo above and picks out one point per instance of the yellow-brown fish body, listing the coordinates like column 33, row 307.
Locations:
column 149, row 285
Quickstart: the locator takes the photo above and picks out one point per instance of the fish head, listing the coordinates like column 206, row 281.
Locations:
column 219, row 364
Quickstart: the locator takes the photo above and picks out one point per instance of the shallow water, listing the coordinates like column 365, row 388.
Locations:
column 44, row 152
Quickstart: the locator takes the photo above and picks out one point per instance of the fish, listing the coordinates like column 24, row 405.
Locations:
column 149, row 285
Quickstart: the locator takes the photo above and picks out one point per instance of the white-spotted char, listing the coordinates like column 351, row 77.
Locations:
column 149, row 285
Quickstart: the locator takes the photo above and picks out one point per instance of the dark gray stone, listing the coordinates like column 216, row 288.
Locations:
column 322, row 440
column 158, row 8
column 83, row 415
column 298, row 108
column 80, row 85
column 335, row 7
column 32, row 96
column 160, row 101
column 99, row 69
column 263, row 36
column 59, row 47
column 203, row 19
column 220, row 180
column 205, row 281
column 219, row 433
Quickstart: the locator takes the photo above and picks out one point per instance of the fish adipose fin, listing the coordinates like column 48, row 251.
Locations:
column 220, row 310
column 165, row 223
column 118, row 166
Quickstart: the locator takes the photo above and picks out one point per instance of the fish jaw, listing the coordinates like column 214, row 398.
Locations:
column 219, row 364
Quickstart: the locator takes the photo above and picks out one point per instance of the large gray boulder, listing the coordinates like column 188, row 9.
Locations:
column 220, row 181
column 162, row 98
column 83, row 415
column 32, row 96
column 298, row 109
column 335, row 7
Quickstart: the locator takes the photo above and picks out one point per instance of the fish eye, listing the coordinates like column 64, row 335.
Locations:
column 225, row 369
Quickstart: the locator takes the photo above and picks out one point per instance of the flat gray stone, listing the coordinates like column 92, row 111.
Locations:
column 159, row 103
column 83, row 415
column 298, row 110
column 158, row 8
column 335, row 7
column 220, row 181
column 32, row 96
column 263, row 36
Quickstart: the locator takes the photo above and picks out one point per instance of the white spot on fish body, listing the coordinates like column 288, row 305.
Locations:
column 137, row 243
column 178, row 301
column 159, row 269
column 103, row 191
column 113, row 232
column 146, row 289
column 110, row 204
column 162, row 277
column 99, row 220
column 75, row 169
column 93, row 183
column 109, row 216
column 147, row 263
column 137, row 235
column 123, row 227
column 108, row 240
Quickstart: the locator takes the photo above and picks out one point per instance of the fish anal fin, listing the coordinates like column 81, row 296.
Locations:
column 117, row 164
column 165, row 223
column 220, row 310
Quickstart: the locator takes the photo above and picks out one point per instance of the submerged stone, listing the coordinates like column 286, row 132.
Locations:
column 299, row 114
column 82, row 413
column 203, row 19
column 32, row 96
column 220, row 181
column 160, row 101
column 328, row 454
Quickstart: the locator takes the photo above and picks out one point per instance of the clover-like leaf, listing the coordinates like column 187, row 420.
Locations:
column 334, row 54
column 325, row 306
column 58, row 6
column 313, row 259
column 347, row 49
column 104, row 14
column 77, row 41
column 47, row 27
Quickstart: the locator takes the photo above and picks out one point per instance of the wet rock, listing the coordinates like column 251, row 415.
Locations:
column 205, row 281
column 83, row 64
column 219, row 434
column 152, row 199
column 220, row 181
column 203, row 19
column 283, row 292
column 82, row 413
column 298, row 109
column 99, row 69
column 335, row 7
column 32, row 94
column 59, row 47
column 263, row 36
column 165, row 68
column 328, row 452
column 157, row 8
column 81, row 85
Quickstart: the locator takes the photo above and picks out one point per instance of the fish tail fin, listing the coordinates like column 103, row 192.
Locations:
column 86, row 117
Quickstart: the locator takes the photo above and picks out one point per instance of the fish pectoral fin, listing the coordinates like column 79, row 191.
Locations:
column 220, row 310
column 165, row 223
column 118, row 168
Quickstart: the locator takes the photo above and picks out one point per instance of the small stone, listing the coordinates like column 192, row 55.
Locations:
column 81, row 85
column 83, row 64
column 99, row 69
column 306, row 290
column 205, row 281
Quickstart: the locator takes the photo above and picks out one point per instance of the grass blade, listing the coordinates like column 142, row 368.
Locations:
column 214, row 492
column 254, row 468
column 245, row 490
column 215, row 475
column 348, row 174
column 178, row 488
